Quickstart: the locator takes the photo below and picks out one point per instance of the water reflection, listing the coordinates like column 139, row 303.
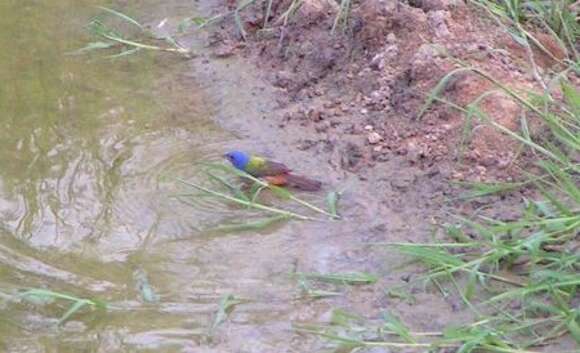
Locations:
column 88, row 146
column 83, row 138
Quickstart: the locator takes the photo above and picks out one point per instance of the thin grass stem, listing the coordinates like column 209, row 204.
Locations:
column 246, row 203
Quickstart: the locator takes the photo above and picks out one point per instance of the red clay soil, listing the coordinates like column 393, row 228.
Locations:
column 371, row 79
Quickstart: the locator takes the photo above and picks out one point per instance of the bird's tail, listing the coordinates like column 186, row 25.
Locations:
column 302, row 183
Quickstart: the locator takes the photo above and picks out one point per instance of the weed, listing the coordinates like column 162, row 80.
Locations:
column 225, row 307
column 348, row 278
column 109, row 37
column 255, row 225
column 43, row 296
column 539, row 249
column 144, row 287
column 342, row 16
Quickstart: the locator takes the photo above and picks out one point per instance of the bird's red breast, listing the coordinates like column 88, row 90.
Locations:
column 279, row 180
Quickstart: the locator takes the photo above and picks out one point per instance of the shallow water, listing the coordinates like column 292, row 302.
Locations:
column 91, row 148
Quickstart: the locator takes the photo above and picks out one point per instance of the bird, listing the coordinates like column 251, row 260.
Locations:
column 274, row 173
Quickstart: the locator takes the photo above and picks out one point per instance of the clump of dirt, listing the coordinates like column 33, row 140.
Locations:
column 370, row 79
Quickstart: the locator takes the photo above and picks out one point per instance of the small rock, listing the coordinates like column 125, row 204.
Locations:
column 406, row 278
column 391, row 51
column 315, row 115
column 374, row 137
column 458, row 176
column 369, row 127
column 283, row 79
column 224, row 51
column 414, row 151
column 438, row 21
column 377, row 62
column 481, row 169
column 489, row 160
column 503, row 163
column 328, row 104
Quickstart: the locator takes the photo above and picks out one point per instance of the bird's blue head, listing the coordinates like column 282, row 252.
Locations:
column 239, row 159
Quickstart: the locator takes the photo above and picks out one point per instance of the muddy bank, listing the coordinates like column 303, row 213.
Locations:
column 349, row 108
column 369, row 80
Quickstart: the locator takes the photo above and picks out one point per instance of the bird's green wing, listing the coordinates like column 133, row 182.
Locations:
column 260, row 167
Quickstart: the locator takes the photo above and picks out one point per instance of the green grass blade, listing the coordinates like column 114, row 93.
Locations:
column 35, row 292
column 124, row 53
column 249, row 226
column 435, row 257
column 226, row 306
column 248, row 204
column 572, row 97
column 349, row 278
column 144, row 287
column 123, row 17
column 393, row 323
column 232, row 188
column 573, row 326
column 439, row 88
column 92, row 46
column 332, row 199
column 72, row 310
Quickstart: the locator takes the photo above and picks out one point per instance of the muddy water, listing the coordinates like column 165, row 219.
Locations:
column 91, row 148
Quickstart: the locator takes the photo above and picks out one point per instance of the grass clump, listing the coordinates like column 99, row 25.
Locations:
column 134, row 37
column 519, row 277
column 270, row 20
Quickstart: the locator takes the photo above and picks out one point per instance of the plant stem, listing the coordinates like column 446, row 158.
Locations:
column 312, row 207
column 249, row 204
column 292, row 197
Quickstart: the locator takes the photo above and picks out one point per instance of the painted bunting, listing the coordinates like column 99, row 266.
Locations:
column 273, row 172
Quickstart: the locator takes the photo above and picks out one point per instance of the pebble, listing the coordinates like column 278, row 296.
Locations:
column 374, row 138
